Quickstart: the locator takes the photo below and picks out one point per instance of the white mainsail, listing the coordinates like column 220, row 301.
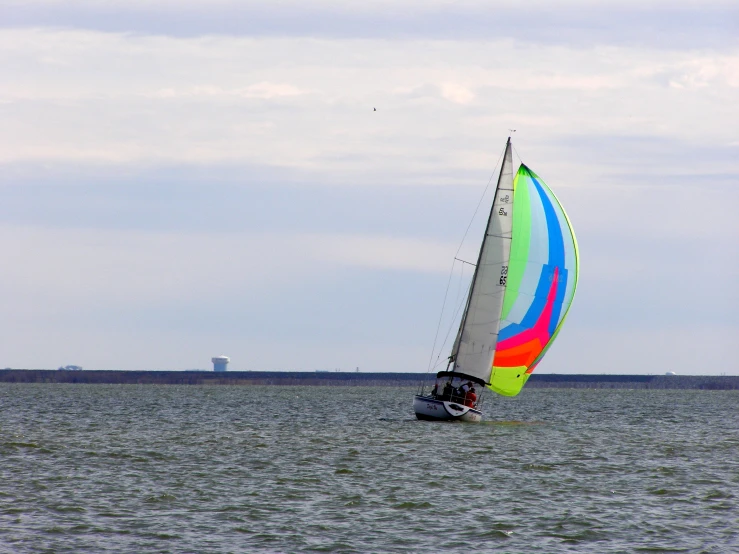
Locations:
column 474, row 348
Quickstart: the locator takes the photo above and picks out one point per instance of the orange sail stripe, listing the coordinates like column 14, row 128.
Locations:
column 521, row 355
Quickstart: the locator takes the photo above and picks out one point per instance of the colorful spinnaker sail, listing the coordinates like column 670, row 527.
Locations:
column 540, row 284
column 523, row 285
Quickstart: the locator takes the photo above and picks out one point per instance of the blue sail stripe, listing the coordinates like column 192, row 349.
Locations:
column 556, row 259
column 558, row 300
column 537, row 305
column 556, row 240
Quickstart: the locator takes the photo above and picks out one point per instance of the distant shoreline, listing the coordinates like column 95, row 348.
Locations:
column 337, row 378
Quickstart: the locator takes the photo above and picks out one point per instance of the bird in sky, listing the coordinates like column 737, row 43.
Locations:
column 374, row 109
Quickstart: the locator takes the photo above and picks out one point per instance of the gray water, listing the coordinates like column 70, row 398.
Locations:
column 116, row 468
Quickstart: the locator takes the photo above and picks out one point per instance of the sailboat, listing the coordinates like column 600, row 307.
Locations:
column 521, row 290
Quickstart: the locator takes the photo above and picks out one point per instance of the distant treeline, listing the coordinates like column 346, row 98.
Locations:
column 543, row 380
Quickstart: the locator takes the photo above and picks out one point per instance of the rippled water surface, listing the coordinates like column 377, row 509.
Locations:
column 93, row 468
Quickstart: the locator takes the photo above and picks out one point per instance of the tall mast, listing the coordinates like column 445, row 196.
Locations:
column 458, row 341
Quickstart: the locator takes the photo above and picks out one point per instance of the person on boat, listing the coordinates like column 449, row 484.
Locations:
column 458, row 394
column 470, row 398
column 435, row 390
column 461, row 392
column 447, row 392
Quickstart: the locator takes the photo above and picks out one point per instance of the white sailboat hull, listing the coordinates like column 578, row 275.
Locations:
column 431, row 409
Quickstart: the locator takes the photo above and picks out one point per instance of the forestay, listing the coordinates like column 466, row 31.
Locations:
column 476, row 340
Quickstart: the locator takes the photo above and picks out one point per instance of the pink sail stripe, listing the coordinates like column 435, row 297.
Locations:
column 541, row 329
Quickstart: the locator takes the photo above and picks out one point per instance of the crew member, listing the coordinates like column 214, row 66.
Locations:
column 470, row 398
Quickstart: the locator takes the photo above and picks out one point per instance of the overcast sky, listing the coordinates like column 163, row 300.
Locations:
column 185, row 179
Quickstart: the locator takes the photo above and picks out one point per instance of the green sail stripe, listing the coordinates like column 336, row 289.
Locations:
column 509, row 380
column 521, row 234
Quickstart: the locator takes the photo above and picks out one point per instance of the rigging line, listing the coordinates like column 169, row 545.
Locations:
column 441, row 315
column 484, row 192
column 451, row 326
column 446, row 292
column 459, row 286
column 465, row 262
column 458, row 301
column 454, row 318
column 517, row 154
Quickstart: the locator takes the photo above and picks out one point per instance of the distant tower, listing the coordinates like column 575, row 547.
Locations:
column 220, row 363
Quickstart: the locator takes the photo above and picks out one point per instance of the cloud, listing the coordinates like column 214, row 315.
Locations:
column 101, row 285
column 176, row 180
column 307, row 104
column 581, row 22
column 263, row 90
column 456, row 93
column 85, row 267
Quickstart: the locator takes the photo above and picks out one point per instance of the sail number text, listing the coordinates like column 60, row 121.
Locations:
column 503, row 200
column 503, row 274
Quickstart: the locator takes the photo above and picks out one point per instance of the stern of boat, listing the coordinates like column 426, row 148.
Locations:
column 428, row 408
